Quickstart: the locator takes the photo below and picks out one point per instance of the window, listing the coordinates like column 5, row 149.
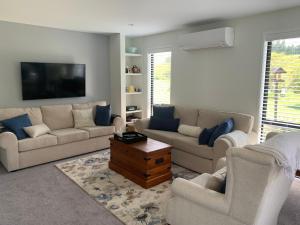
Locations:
column 160, row 78
column 281, row 96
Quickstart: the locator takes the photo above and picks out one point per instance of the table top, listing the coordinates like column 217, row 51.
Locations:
column 148, row 146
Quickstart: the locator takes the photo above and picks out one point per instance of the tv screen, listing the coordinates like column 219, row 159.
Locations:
column 52, row 80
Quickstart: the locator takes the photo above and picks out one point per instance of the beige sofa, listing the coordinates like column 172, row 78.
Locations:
column 186, row 150
column 63, row 140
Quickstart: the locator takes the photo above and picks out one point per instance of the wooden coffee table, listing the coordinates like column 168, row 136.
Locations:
column 146, row 163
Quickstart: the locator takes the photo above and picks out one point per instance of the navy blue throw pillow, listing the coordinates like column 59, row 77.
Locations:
column 224, row 128
column 164, row 124
column 205, row 135
column 163, row 112
column 16, row 125
column 103, row 115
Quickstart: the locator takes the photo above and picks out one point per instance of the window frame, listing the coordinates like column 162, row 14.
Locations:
column 151, row 75
column 264, row 98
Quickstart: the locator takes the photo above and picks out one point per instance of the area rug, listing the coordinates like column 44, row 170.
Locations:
column 129, row 202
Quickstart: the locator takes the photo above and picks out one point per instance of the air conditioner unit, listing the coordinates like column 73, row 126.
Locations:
column 221, row 37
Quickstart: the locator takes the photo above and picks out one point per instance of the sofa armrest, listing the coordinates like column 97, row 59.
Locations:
column 237, row 138
column 221, row 163
column 220, row 147
column 119, row 124
column 199, row 195
column 271, row 134
column 9, row 151
column 142, row 124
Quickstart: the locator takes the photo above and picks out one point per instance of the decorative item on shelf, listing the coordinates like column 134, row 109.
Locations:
column 127, row 69
column 138, row 89
column 132, row 49
column 130, row 128
column 132, row 118
column 131, row 108
column 135, row 69
column 131, row 89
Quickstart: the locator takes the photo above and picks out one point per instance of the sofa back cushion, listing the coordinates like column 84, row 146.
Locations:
column 187, row 115
column 89, row 105
column 211, row 118
column 58, row 116
column 163, row 111
column 35, row 114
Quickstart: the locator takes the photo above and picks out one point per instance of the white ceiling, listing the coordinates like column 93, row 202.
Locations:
column 148, row 16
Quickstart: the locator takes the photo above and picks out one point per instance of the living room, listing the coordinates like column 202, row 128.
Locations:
column 74, row 76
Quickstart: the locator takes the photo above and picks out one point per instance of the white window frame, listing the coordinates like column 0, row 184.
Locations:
column 269, row 37
column 149, row 52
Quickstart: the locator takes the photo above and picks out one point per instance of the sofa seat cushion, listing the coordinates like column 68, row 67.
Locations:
column 164, row 136
column 69, row 135
column 190, row 145
column 43, row 141
column 99, row 131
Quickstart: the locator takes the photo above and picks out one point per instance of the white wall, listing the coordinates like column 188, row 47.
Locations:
column 226, row 79
column 117, row 67
column 31, row 43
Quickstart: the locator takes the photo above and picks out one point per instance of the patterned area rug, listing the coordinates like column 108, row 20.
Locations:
column 129, row 202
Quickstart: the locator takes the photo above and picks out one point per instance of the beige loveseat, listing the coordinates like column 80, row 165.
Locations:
column 63, row 140
column 186, row 150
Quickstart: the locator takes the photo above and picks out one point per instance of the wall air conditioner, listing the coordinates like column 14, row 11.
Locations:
column 221, row 37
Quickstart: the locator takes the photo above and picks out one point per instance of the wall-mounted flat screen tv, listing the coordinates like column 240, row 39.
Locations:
column 52, row 80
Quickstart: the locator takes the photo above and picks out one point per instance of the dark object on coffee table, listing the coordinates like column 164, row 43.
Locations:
column 130, row 137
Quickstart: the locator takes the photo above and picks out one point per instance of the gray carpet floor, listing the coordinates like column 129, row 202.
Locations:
column 42, row 195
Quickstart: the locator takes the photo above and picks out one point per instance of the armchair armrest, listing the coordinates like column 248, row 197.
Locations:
column 142, row 124
column 119, row 124
column 199, row 195
column 9, row 153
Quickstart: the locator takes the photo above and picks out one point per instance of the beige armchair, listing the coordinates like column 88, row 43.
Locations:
column 256, row 190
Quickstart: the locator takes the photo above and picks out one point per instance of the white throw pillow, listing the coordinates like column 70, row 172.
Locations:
column 37, row 130
column 83, row 118
column 189, row 130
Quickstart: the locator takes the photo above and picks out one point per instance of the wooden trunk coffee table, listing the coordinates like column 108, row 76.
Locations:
column 146, row 163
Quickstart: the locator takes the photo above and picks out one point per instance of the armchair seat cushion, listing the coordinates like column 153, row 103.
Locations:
column 99, row 131
column 36, row 143
column 69, row 135
column 209, row 181
column 190, row 145
column 164, row 136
